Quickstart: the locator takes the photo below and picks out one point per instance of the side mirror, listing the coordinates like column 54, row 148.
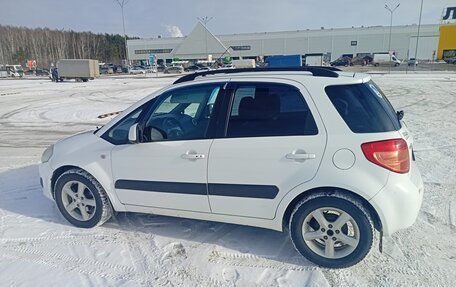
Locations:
column 400, row 115
column 133, row 134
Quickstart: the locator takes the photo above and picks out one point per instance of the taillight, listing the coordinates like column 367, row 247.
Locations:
column 390, row 154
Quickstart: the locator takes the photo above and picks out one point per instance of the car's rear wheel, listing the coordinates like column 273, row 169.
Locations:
column 331, row 230
column 81, row 199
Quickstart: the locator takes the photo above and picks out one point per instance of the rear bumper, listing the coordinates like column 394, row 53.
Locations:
column 399, row 202
column 45, row 179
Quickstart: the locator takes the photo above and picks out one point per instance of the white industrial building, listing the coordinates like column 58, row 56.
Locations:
column 332, row 43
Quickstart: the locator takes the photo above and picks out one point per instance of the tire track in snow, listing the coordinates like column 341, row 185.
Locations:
column 49, row 238
column 254, row 261
column 71, row 263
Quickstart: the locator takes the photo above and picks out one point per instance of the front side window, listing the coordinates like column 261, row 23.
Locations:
column 118, row 134
column 260, row 110
column 182, row 114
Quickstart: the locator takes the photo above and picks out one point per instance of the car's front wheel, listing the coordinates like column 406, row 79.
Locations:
column 81, row 199
column 331, row 230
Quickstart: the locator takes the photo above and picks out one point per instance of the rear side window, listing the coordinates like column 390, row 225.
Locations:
column 364, row 108
column 261, row 110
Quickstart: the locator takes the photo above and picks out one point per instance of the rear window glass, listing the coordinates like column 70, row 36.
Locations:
column 364, row 108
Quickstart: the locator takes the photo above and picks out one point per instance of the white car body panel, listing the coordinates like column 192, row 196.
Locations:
column 267, row 165
column 386, row 191
column 162, row 162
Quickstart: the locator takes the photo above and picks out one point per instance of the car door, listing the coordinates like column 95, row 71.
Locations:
column 273, row 142
column 168, row 167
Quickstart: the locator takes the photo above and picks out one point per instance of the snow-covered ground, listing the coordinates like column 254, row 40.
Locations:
column 39, row 248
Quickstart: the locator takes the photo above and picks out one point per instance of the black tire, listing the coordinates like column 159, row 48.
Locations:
column 103, row 210
column 342, row 202
column 85, row 80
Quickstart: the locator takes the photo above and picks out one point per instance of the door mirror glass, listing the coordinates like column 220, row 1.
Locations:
column 133, row 134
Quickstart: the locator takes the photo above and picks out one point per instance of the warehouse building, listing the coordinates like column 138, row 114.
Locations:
column 435, row 40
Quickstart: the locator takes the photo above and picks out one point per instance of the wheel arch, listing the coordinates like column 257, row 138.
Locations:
column 57, row 173
column 97, row 172
column 330, row 190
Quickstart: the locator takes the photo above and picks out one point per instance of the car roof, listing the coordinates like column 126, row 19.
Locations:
column 304, row 77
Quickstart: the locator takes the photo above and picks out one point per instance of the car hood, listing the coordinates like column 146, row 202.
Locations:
column 77, row 146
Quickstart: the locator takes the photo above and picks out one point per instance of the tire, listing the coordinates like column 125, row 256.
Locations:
column 351, row 241
column 93, row 199
column 85, row 80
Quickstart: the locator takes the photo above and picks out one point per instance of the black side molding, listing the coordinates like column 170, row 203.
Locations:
column 215, row 189
column 163, row 186
column 244, row 190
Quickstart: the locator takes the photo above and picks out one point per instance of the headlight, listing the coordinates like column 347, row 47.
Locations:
column 47, row 154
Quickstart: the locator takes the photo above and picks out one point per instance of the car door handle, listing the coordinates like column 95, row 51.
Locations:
column 192, row 155
column 300, row 155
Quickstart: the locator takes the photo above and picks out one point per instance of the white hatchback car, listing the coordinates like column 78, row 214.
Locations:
column 316, row 150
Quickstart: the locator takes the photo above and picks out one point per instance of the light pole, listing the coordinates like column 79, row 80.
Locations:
column 122, row 4
column 205, row 20
column 418, row 37
column 391, row 27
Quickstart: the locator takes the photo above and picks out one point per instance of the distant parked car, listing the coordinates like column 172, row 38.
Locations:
column 451, row 60
column 361, row 60
column 151, row 69
column 174, row 70
column 204, row 69
column 192, row 68
column 345, row 61
column 412, row 62
column 161, row 67
column 136, row 71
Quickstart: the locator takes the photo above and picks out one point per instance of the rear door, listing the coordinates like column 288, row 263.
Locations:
column 272, row 141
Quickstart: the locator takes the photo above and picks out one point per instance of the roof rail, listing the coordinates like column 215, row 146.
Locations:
column 317, row 71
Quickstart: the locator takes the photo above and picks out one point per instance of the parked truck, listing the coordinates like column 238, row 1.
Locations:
column 284, row 61
column 245, row 63
column 79, row 70
column 314, row 59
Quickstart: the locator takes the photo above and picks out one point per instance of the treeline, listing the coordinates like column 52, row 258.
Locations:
column 46, row 46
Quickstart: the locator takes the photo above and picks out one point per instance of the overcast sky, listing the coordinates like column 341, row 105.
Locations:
column 149, row 18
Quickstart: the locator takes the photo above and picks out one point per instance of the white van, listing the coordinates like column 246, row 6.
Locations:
column 384, row 59
column 15, row 71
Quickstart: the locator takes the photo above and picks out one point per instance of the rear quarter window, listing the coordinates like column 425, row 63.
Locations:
column 364, row 107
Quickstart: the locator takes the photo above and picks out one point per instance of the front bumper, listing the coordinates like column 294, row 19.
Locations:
column 45, row 179
column 399, row 202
